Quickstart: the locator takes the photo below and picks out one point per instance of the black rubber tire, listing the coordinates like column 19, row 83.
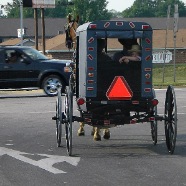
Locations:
column 69, row 114
column 59, row 118
column 154, row 124
column 170, row 119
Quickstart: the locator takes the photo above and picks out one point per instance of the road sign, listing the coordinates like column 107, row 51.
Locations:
column 43, row 3
column 119, row 89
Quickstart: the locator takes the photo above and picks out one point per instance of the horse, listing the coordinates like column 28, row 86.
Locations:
column 70, row 30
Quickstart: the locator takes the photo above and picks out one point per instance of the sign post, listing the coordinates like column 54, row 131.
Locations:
column 42, row 4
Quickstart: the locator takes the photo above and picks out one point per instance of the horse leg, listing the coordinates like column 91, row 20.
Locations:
column 106, row 134
column 93, row 131
column 97, row 136
column 81, row 131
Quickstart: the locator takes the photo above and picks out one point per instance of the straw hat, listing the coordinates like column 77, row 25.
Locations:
column 135, row 48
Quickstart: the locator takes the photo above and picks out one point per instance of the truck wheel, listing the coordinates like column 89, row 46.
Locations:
column 51, row 83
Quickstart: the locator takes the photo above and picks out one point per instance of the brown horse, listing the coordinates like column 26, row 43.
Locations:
column 70, row 29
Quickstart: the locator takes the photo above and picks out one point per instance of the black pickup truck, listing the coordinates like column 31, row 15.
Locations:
column 25, row 67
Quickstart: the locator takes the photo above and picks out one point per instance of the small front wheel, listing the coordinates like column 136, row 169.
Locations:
column 59, row 118
column 154, row 127
column 51, row 83
column 154, row 124
column 69, row 115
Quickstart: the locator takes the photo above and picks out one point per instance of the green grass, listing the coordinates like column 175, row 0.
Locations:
column 180, row 75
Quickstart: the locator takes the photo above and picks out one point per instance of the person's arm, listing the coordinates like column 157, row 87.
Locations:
column 126, row 59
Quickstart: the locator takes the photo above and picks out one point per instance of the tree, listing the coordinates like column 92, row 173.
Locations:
column 88, row 10
column 115, row 13
column 91, row 10
column 13, row 10
column 153, row 8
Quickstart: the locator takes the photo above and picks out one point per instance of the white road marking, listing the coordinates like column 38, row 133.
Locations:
column 45, row 163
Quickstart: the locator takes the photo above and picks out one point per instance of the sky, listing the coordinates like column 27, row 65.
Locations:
column 118, row 5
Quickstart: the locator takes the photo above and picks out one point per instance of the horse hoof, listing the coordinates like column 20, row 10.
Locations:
column 97, row 137
column 81, row 132
column 106, row 135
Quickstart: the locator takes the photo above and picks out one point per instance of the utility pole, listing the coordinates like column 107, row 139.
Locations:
column 36, row 27
column 43, row 29
column 165, row 51
column 176, row 16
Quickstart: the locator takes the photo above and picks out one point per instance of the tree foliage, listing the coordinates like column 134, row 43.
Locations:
column 91, row 10
column 153, row 8
column 88, row 10
column 13, row 10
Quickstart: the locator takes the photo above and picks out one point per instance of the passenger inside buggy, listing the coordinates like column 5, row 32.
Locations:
column 134, row 52
column 127, row 45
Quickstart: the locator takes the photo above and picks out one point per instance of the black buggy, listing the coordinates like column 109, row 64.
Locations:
column 109, row 93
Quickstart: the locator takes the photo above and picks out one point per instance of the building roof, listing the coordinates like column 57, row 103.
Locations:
column 57, row 41
column 54, row 26
column 159, row 41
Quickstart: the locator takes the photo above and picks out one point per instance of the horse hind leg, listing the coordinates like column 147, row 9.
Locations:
column 93, row 131
column 81, row 131
column 106, row 134
column 97, row 136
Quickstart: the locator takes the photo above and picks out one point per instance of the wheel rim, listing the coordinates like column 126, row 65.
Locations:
column 51, row 86
column 59, row 119
column 171, row 119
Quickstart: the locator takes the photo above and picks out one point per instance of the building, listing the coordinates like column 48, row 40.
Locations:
column 55, row 37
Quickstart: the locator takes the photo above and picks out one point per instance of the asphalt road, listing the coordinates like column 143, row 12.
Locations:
column 29, row 154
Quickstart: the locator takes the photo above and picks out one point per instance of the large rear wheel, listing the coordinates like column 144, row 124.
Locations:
column 170, row 119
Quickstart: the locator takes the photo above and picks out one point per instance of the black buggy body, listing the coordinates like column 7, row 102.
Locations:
column 109, row 93
column 112, row 90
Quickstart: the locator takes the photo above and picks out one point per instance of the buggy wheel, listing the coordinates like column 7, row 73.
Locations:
column 59, row 118
column 154, row 124
column 154, row 127
column 69, row 115
column 170, row 119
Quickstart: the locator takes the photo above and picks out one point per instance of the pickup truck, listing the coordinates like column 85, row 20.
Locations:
column 26, row 67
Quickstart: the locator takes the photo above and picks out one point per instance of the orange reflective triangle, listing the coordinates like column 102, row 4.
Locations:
column 119, row 89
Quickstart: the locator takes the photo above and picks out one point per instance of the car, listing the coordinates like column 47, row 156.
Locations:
column 26, row 67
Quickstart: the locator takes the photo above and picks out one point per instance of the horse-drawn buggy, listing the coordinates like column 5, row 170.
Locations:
column 109, row 93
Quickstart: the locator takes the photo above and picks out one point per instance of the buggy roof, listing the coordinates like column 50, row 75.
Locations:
column 114, row 25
